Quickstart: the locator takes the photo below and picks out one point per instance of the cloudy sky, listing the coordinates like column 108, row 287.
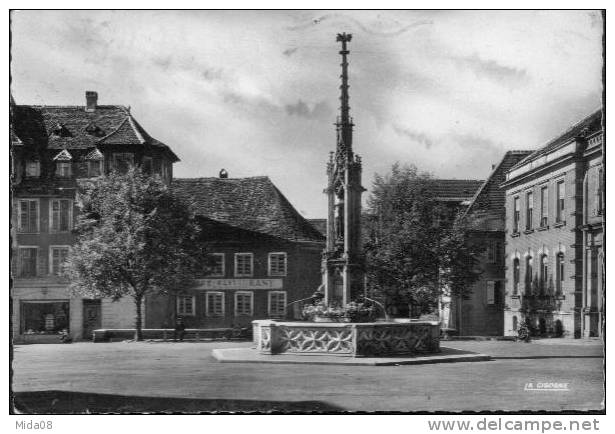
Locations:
column 256, row 92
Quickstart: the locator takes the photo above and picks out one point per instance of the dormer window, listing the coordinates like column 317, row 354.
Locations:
column 63, row 164
column 94, row 130
column 33, row 169
column 60, row 131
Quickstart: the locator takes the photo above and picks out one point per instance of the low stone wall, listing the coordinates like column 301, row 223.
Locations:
column 107, row 335
column 349, row 339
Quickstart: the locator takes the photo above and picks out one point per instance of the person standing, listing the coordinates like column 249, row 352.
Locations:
column 180, row 329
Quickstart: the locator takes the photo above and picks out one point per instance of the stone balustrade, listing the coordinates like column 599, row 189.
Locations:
column 348, row 339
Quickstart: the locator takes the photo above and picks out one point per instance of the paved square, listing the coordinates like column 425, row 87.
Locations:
column 183, row 376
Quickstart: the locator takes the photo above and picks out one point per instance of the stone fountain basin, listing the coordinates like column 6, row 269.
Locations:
column 381, row 338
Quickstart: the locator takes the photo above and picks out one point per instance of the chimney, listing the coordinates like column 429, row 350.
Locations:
column 223, row 174
column 91, row 99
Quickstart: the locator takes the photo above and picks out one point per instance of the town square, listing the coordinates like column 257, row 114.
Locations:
column 307, row 211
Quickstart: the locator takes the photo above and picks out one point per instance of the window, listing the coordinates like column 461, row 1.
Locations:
column 33, row 169
column 61, row 215
column 27, row 216
column 529, row 210
column 244, row 303
column 164, row 170
column 214, row 303
column 63, row 169
column 27, row 261
column 217, row 265
column 185, row 305
column 277, row 264
column 559, row 273
column 516, row 215
column 544, row 273
column 147, row 166
column 515, row 323
column 544, row 207
column 95, row 168
column 494, row 252
column 490, row 292
column 499, row 253
column 491, row 252
column 44, row 317
column 528, row 275
column 516, row 275
column 561, row 194
column 122, row 161
column 58, row 256
column 276, row 304
column 243, row 264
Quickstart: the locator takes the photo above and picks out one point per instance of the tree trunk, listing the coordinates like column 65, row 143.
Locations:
column 138, row 331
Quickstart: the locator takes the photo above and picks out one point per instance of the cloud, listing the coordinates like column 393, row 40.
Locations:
column 419, row 137
column 475, row 142
column 492, row 69
column 301, row 109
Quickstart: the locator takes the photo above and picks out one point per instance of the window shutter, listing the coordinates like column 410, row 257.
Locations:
column 24, row 212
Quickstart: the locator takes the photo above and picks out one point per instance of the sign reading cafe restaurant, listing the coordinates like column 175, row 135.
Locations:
column 220, row 284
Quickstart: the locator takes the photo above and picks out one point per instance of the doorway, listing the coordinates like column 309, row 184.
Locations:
column 91, row 317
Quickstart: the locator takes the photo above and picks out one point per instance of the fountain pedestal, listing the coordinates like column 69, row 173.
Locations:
column 347, row 339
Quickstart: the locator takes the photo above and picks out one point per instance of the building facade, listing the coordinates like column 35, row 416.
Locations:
column 554, row 235
column 52, row 148
column 265, row 256
column 482, row 312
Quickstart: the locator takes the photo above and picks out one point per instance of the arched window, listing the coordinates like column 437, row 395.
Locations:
column 516, row 275
column 528, row 275
column 544, row 273
column 559, row 274
column 515, row 323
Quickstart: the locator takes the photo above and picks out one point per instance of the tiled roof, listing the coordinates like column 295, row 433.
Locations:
column 590, row 124
column 72, row 127
column 453, row 189
column 320, row 225
column 488, row 203
column 253, row 204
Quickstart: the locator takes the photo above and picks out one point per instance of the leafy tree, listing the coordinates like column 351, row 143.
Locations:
column 416, row 248
column 134, row 237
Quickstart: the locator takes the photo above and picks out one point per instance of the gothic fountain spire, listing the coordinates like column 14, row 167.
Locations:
column 344, row 122
column 343, row 264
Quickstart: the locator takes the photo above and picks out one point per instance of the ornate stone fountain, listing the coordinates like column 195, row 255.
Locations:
column 343, row 265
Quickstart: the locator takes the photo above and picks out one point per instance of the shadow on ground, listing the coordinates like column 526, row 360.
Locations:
column 63, row 402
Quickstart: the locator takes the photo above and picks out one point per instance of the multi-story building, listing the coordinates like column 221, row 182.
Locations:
column 52, row 147
column 554, row 235
column 265, row 256
column 482, row 312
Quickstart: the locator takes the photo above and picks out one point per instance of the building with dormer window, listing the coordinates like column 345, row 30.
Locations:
column 52, row 147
